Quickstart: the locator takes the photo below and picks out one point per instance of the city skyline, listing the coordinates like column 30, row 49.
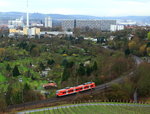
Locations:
column 84, row 7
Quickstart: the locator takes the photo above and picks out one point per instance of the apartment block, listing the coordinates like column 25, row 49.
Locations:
column 48, row 22
column 103, row 25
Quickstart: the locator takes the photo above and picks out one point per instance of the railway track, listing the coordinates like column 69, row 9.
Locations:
column 98, row 88
column 69, row 97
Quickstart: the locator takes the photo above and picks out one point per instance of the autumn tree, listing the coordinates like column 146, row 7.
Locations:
column 132, row 45
column 30, row 95
column 2, row 53
column 3, row 104
column 14, row 94
column 143, row 50
column 148, row 35
column 148, row 51
column 35, row 52
column 141, row 80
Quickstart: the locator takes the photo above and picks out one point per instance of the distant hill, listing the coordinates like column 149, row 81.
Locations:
column 14, row 15
column 5, row 16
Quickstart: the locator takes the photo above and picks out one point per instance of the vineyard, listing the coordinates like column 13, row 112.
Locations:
column 95, row 108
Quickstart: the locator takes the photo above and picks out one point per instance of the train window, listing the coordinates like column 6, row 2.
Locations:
column 63, row 92
column 70, row 91
column 77, row 89
column 86, row 87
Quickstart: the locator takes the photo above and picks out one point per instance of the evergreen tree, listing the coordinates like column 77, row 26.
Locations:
column 66, row 74
column 88, row 70
column 42, row 67
column 70, row 64
column 8, row 68
column 16, row 71
column 26, row 87
column 127, row 52
column 81, row 70
column 65, row 62
column 28, row 73
column 50, row 62
column 95, row 66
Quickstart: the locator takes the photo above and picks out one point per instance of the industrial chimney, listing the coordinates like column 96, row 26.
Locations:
column 27, row 15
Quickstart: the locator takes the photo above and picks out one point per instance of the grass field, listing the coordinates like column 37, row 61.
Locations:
column 97, row 109
column 2, row 78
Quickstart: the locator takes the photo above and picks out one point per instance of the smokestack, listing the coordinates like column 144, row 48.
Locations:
column 27, row 15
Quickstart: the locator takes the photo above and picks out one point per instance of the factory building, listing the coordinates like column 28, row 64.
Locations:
column 15, row 31
column 16, row 23
column 31, row 31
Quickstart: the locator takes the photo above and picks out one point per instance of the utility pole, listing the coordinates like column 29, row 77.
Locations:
column 135, row 96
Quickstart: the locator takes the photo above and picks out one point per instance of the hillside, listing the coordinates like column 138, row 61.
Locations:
column 97, row 108
column 4, row 16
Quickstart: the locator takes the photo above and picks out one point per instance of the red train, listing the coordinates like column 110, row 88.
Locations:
column 76, row 89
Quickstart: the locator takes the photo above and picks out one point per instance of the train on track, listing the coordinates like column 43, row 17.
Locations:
column 76, row 89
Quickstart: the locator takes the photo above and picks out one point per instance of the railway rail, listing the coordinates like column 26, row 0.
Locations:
column 98, row 88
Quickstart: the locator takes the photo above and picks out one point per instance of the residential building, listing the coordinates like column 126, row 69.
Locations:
column 68, row 24
column 114, row 28
column 103, row 25
column 48, row 22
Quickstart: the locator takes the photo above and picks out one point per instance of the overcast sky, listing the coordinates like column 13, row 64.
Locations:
column 86, row 7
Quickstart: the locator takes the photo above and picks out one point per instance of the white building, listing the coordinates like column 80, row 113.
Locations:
column 37, row 25
column 114, row 28
column 16, row 23
column 48, row 22
column 127, row 22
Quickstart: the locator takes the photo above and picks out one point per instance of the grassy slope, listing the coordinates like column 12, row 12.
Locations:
column 99, row 110
column 2, row 78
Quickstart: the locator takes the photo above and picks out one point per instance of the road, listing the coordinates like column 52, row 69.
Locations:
column 138, row 60
column 71, row 97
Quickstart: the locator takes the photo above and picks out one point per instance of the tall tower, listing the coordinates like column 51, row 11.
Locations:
column 27, row 14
